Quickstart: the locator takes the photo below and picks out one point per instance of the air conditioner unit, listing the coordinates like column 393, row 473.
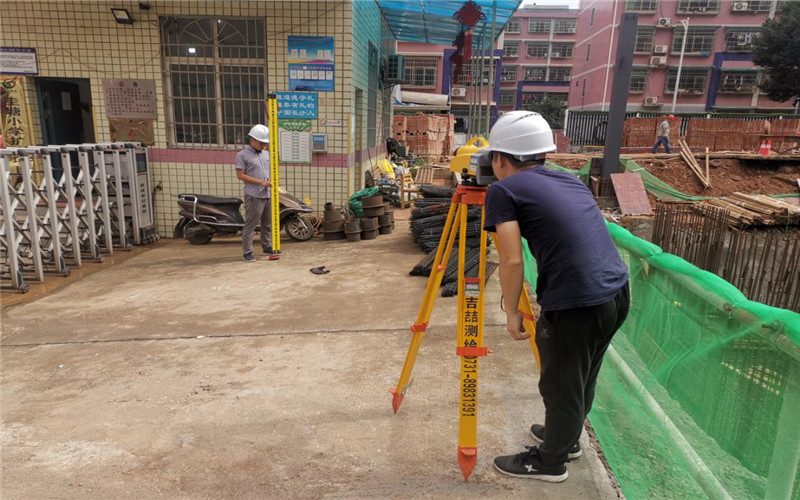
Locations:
column 660, row 49
column 664, row 22
column 739, row 6
column 651, row 101
column 459, row 92
column 658, row 61
column 555, row 54
column 395, row 69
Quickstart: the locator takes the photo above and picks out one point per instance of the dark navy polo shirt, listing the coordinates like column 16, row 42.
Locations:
column 578, row 263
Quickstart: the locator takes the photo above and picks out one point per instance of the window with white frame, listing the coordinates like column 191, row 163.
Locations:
column 421, row 71
column 534, row 73
column 214, row 79
column 641, row 5
column 538, row 25
column 693, row 81
column 513, row 26
column 558, row 74
column 564, row 25
column 472, row 70
column 507, row 98
column 700, row 6
column 700, row 40
column 562, row 50
column 638, row 82
column 532, row 98
column 538, row 49
column 508, row 73
column 644, row 39
column 511, row 49
column 740, row 39
column 737, row 82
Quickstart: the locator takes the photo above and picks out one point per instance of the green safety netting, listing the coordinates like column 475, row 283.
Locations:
column 699, row 394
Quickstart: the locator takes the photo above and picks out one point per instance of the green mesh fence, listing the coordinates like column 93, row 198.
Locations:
column 699, row 395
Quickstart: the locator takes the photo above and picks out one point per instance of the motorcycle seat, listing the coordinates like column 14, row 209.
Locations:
column 216, row 200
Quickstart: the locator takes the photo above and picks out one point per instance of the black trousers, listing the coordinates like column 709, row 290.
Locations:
column 572, row 343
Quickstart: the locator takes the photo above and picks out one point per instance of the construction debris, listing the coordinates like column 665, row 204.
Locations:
column 757, row 210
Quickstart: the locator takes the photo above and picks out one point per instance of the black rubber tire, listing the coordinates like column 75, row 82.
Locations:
column 195, row 234
column 299, row 228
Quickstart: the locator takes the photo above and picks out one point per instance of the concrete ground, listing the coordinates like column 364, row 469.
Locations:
column 180, row 371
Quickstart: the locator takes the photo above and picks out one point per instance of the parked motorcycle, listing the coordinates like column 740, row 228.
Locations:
column 203, row 217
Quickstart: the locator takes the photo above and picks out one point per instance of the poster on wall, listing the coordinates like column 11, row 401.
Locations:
column 310, row 63
column 130, row 98
column 124, row 130
column 15, row 122
column 18, row 61
column 294, row 140
column 297, row 105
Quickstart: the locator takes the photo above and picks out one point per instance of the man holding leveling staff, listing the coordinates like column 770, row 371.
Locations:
column 582, row 284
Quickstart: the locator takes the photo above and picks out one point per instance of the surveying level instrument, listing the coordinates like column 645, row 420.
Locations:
column 470, row 345
column 272, row 112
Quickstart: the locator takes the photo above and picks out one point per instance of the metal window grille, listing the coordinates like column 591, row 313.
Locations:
column 513, row 26
column 562, row 51
column 752, row 5
column 421, row 71
column 560, row 74
column 538, row 49
column 644, row 39
column 564, row 26
column 693, row 81
column 641, row 5
column 372, row 98
column 531, row 98
column 737, row 82
column 507, row 98
column 699, row 41
column 740, row 40
column 469, row 76
column 536, row 25
column 638, row 80
column 214, row 79
column 511, row 49
column 686, row 6
column 508, row 74
column 534, row 74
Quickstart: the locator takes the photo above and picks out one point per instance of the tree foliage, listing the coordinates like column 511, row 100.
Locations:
column 776, row 50
column 551, row 110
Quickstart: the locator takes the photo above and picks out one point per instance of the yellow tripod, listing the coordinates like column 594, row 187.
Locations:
column 470, row 321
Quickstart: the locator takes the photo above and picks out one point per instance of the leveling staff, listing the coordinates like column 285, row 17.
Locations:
column 582, row 286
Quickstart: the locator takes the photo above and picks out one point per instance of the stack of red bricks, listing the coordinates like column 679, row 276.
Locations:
column 425, row 135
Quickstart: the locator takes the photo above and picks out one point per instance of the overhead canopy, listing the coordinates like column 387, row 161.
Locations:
column 432, row 21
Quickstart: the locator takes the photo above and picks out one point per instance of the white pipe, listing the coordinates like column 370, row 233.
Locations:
column 705, row 477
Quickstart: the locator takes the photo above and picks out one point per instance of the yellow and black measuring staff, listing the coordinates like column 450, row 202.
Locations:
column 470, row 321
column 272, row 110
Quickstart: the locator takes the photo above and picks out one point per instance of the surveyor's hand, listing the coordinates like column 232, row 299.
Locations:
column 266, row 184
column 515, row 327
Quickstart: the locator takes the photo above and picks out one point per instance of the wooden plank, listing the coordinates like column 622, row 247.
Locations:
column 631, row 194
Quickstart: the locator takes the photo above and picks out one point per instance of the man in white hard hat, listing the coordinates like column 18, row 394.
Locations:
column 582, row 284
column 252, row 168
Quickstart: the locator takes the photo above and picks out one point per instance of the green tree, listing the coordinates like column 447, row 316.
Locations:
column 551, row 110
column 776, row 51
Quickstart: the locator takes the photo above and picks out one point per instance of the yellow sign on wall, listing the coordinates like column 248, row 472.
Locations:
column 15, row 121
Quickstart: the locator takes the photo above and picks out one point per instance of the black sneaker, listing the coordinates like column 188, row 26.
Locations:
column 537, row 431
column 269, row 251
column 248, row 257
column 529, row 465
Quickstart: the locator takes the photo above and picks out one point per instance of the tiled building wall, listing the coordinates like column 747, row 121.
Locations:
column 80, row 39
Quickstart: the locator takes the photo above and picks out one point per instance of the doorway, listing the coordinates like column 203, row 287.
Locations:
column 65, row 109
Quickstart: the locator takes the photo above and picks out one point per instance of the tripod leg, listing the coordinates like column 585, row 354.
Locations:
column 434, row 282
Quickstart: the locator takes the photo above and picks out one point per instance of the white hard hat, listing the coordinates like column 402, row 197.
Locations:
column 522, row 134
column 260, row 133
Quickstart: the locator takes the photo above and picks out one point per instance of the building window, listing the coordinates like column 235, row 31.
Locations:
column 560, row 74
column 508, row 74
column 751, row 5
column 564, row 26
column 561, row 51
column 471, row 70
column 511, row 49
column 644, row 39
column 638, row 81
column 700, row 40
column 687, row 6
column 529, row 98
column 740, row 40
column 513, row 26
column 536, row 25
column 534, row 73
column 693, row 81
column 214, row 79
column 538, row 49
column 507, row 98
column 421, row 71
column 372, row 96
column 737, row 82
column 641, row 5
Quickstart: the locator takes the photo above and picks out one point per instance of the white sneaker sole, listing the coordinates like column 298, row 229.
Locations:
column 541, row 477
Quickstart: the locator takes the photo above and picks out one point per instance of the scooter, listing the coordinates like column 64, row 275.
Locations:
column 203, row 217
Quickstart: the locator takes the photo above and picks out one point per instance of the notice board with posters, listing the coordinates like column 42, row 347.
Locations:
column 130, row 98
column 310, row 63
column 294, row 140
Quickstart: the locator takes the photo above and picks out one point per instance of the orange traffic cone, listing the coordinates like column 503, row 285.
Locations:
column 769, row 147
column 763, row 151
